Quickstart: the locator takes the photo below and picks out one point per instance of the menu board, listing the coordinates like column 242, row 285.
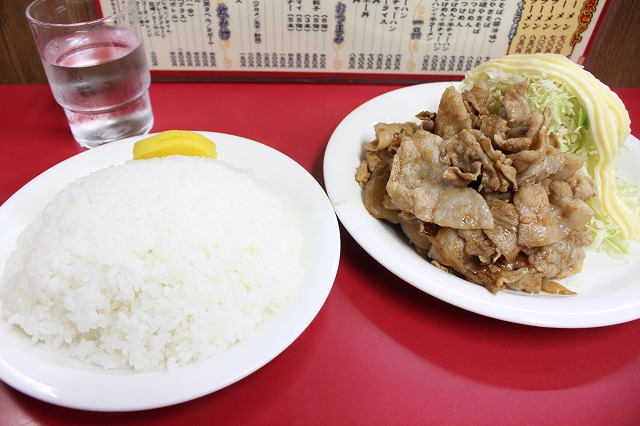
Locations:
column 389, row 39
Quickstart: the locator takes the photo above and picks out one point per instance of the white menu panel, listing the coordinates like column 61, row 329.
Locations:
column 376, row 37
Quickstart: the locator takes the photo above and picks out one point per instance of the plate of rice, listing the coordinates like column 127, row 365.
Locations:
column 131, row 285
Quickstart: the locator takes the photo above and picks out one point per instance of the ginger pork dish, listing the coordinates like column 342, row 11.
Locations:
column 497, row 187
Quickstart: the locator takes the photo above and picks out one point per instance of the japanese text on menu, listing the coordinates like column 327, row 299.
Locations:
column 434, row 37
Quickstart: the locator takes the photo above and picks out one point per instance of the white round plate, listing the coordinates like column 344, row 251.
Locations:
column 60, row 380
column 608, row 289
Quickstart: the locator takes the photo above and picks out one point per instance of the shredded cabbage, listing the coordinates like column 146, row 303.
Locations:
column 567, row 118
column 607, row 236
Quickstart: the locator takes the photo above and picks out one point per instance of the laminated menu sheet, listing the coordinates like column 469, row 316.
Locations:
column 355, row 39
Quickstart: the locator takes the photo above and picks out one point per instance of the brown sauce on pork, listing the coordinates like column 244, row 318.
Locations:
column 485, row 195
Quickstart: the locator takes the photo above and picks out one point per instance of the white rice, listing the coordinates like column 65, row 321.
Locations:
column 153, row 264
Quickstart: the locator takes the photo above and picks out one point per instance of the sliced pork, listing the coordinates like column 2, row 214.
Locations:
column 485, row 195
column 416, row 185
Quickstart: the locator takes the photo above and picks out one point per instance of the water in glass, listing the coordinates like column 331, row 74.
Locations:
column 100, row 77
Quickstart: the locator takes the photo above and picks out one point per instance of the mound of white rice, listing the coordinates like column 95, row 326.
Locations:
column 153, row 264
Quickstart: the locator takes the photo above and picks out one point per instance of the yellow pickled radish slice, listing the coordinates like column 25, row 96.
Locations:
column 174, row 142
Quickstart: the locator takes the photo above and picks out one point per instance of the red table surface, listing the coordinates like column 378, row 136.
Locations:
column 380, row 351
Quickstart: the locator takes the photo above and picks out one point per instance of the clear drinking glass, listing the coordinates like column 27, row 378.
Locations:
column 96, row 67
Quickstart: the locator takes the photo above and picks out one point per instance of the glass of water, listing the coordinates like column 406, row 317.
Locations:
column 96, row 67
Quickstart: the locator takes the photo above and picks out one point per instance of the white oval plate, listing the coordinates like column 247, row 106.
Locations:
column 608, row 289
column 57, row 379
